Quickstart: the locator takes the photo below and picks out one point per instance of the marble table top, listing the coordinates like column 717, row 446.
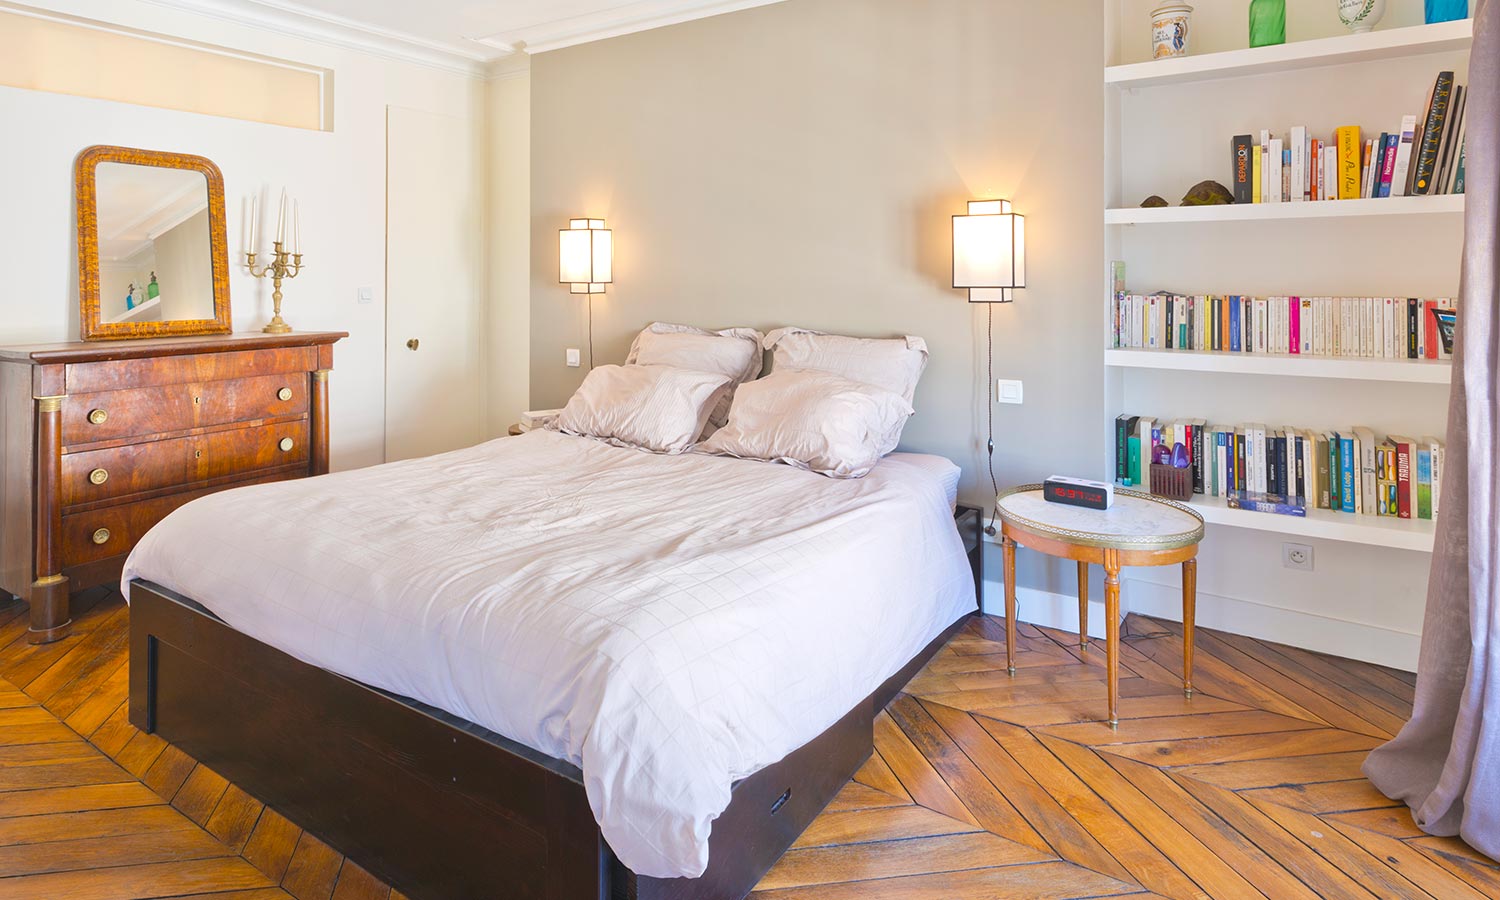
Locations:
column 1135, row 521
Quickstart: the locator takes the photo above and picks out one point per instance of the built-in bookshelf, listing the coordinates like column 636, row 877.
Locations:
column 1373, row 46
column 1408, row 371
column 1443, row 204
column 1190, row 108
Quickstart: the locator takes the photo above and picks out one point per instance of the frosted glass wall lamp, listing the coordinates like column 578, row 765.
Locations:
column 989, row 251
column 586, row 263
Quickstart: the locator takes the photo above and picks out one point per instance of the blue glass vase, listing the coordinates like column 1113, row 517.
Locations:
column 1446, row 10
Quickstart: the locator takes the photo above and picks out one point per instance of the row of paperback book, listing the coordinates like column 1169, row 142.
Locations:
column 1290, row 470
column 1425, row 157
column 1367, row 327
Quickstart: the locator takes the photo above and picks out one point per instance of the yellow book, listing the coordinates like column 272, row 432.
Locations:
column 1349, row 152
column 1257, row 161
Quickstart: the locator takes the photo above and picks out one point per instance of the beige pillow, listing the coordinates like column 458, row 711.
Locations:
column 656, row 408
column 894, row 364
column 812, row 420
column 735, row 352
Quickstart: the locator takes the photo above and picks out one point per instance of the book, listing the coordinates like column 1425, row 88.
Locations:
column 1124, row 427
column 1274, row 170
column 1452, row 183
column 1195, row 448
column 1244, row 169
column 1364, row 442
column 1145, row 429
column 1403, row 156
column 1451, row 122
column 1257, row 175
column 1432, row 134
column 1321, row 471
column 1297, row 188
column 1435, row 448
column 1388, row 165
column 1349, row 162
column 1403, row 454
column 1422, row 487
column 1348, row 472
column 1266, row 502
column 1335, row 474
column 1133, row 455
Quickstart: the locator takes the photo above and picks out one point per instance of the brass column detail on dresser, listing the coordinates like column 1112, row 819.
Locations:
column 318, row 411
column 49, row 590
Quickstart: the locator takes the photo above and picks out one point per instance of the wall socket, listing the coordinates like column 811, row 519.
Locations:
column 574, row 358
column 1009, row 392
column 1297, row 556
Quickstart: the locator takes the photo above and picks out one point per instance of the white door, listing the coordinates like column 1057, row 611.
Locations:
column 433, row 394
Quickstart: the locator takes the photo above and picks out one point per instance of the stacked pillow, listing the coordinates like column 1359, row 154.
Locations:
column 832, row 404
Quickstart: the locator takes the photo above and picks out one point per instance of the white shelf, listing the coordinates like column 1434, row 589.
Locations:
column 1410, row 371
column 1376, row 531
column 1392, row 43
column 135, row 312
column 1442, row 204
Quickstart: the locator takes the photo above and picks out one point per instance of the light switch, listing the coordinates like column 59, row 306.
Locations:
column 366, row 295
column 1008, row 391
column 574, row 358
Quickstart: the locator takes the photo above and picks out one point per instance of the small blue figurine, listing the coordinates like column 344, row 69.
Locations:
column 1446, row 10
column 130, row 297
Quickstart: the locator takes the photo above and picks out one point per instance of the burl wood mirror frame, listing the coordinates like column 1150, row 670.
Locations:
column 90, row 327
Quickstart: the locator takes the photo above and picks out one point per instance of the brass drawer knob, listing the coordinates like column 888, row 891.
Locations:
column 101, row 536
column 99, row 476
column 98, row 416
column 284, row 394
column 286, row 444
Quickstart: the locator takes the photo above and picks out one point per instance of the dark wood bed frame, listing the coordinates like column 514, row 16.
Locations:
column 438, row 807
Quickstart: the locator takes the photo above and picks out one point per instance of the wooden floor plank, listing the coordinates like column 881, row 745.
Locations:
column 1479, row 871
column 142, row 882
column 921, row 781
column 888, row 824
column 1310, row 742
column 1409, row 862
column 1256, row 773
column 76, row 798
column 108, row 852
column 1326, row 797
column 891, row 859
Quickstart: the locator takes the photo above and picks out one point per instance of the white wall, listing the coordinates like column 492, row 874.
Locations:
column 339, row 177
column 508, row 311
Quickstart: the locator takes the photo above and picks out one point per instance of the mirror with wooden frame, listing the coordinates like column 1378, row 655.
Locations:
column 152, row 255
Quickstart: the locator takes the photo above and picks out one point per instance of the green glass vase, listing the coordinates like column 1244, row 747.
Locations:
column 1267, row 22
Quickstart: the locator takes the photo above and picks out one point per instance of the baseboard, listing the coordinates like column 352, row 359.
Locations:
column 1044, row 608
column 1310, row 631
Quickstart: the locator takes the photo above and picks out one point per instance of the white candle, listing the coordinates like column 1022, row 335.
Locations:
column 254, row 222
column 297, row 227
column 281, row 221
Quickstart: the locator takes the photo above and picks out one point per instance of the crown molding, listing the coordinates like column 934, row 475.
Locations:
column 338, row 31
column 627, row 19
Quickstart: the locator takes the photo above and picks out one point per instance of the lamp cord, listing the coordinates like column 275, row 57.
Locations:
column 591, row 330
column 989, row 406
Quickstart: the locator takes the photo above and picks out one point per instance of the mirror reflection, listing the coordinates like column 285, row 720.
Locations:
column 155, row 259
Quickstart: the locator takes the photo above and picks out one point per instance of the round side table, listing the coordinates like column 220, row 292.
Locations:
column 1137, row 530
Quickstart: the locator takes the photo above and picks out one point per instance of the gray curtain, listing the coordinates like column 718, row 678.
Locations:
column 1445, row 764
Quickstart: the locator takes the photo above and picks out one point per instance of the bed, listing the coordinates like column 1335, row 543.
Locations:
column 545, row 666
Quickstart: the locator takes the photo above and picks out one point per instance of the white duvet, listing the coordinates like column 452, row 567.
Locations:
column 668, row 624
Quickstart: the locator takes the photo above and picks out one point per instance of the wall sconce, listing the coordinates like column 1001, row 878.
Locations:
column 586, row 264
column 585, row 254
column 989, row 251
column 989, row 259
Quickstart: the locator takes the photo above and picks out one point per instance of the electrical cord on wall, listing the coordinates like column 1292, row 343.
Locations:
column 591, row 331
column 989, row 405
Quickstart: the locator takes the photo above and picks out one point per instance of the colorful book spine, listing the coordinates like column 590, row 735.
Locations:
column 1266, row 503
column 1349, row 162
column 1348, row 463
column 1432, row 134
column 1424, row 483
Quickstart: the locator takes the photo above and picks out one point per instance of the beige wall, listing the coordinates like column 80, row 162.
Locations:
column 508, row 235
column 798, row 164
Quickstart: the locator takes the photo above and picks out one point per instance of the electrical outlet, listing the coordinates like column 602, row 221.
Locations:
column 575, row 359
column 1008, row 392
column 366, row 295
column 1297, row 556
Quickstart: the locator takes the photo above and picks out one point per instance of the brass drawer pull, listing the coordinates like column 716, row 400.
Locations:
column 97, row 416
column 286, row 444
column 101, row 536
column 99, row 476
column 284, row 394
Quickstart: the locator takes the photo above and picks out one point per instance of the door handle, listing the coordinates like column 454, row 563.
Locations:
column 413, row 344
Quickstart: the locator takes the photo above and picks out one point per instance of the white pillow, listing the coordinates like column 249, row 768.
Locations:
column 735, row 352
column 812, row 420
column 657, row 408
column 895, row 364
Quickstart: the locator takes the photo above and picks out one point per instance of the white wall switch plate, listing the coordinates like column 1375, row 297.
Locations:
column 1297, row 556
column 575, row 359
column 1009, row 391
column 366, row 295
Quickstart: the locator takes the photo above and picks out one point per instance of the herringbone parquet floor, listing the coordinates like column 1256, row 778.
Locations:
column 982, row 786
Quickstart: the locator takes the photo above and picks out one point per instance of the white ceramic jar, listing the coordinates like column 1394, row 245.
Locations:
column 1361, row 15
column 1171, row 28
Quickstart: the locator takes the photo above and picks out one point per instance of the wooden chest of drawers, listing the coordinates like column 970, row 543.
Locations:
column 103, row 440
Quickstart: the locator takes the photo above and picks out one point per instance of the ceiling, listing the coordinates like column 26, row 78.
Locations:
column 478, row 31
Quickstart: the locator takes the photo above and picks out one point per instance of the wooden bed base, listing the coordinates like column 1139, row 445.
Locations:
column 436, row 806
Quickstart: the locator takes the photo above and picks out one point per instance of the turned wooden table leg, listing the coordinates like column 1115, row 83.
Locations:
column 1189, row 613
column 49, row 590
column 1083, row 606
column 1008, row 553
column 1112, row 633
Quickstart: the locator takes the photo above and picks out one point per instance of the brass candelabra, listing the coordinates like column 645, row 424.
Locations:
column 282, row 265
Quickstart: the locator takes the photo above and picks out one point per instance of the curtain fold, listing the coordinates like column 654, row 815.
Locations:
column 1445, row 764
